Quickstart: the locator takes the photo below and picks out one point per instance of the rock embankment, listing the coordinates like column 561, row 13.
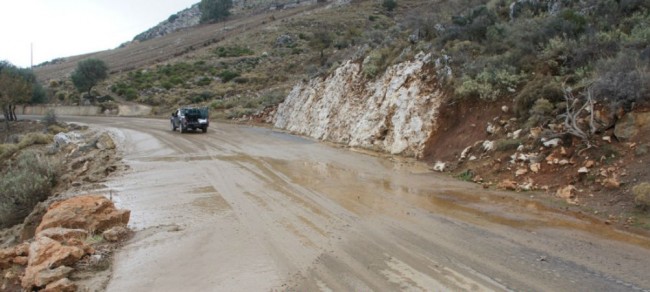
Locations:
column 395, row 113
column 68, row 233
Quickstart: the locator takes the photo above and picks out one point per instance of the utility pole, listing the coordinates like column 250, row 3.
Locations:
column 31, row 57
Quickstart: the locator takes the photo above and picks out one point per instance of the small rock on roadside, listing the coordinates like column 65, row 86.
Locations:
column 568, row 193
column 115, row 234
column 62, row 285
column 642, row 194
column 507, row 185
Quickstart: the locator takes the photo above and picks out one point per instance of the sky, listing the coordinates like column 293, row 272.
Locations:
column 62, row 28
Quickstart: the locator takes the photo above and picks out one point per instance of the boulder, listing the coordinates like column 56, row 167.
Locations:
column 568, row 193
column 116, row 233
column 629, row 126
column 439, row 166
column 93, row 213
column 521, row 171
column 46, row 261
column 642, row 194
column 507, row 185
column 105, row 142
column 62, row 234
column 535, row 167
column 48, row 276
column 611, row 183
column 284, row 40
column 62, row 285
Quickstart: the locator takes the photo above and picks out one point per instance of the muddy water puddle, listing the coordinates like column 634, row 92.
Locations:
column 395, row 190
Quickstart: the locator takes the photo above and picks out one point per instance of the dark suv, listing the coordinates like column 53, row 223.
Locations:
column 190, row 118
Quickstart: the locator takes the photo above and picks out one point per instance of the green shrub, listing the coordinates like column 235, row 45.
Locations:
column 225, row 52
column 218, row 104
column 540, row 113
column 49, row 118
column 389, row 5
column 240, row 80
column 372, row 64
column 273, row 98
column 204, row 81
column 228, row 75
column 622, row 80
column 545, row 87
column 466, row 175
column 23, row 185
column 7, row 150
column 239, row 112
column 130, row 94
column 490, row 84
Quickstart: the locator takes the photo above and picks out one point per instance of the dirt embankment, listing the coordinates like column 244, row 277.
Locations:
column 486, row 143
column 72, row 248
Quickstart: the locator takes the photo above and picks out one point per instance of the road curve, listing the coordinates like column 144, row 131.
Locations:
column 252, row 209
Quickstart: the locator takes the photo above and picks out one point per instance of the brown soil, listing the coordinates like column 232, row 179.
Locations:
column 462, row 124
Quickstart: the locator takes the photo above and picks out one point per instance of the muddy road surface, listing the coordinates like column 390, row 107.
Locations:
column 252, row 209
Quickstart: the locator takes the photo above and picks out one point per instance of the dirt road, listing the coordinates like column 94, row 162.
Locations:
column 251, row 209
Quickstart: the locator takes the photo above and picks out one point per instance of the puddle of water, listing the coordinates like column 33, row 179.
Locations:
column 392, row 193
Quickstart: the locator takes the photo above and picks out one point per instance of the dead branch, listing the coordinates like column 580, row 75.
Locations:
column 575, row 107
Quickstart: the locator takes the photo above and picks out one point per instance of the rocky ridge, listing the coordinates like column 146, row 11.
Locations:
column 395, row 113
column 186, row 18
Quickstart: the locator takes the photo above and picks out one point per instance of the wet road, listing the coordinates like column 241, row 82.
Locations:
column 252, row 209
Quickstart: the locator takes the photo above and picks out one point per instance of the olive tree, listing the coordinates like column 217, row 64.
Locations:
column 14, row 89
column 89, row 72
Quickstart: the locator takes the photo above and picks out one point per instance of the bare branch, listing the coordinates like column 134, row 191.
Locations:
column 571, row 116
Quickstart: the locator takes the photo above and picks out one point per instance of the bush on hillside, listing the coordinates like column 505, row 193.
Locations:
column 232, row 51
column 214, row 10
column 23, row 185
column 622, row 81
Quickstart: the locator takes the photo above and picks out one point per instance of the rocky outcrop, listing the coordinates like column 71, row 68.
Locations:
column 61, row 241
column 183, row 19
column 92, row 213
column 395, row 113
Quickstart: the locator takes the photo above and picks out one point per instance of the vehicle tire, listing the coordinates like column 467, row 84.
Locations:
column 204, row 129
column 183, row 130
column 173, row 127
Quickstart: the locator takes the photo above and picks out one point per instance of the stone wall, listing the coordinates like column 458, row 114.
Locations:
column 62, row 110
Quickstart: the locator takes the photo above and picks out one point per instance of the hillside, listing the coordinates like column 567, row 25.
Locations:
column 548, row 96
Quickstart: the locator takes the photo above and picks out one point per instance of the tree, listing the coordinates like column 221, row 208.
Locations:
column 14, row 89
column 214, row 10
column 89, row 72
column 321, row 40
